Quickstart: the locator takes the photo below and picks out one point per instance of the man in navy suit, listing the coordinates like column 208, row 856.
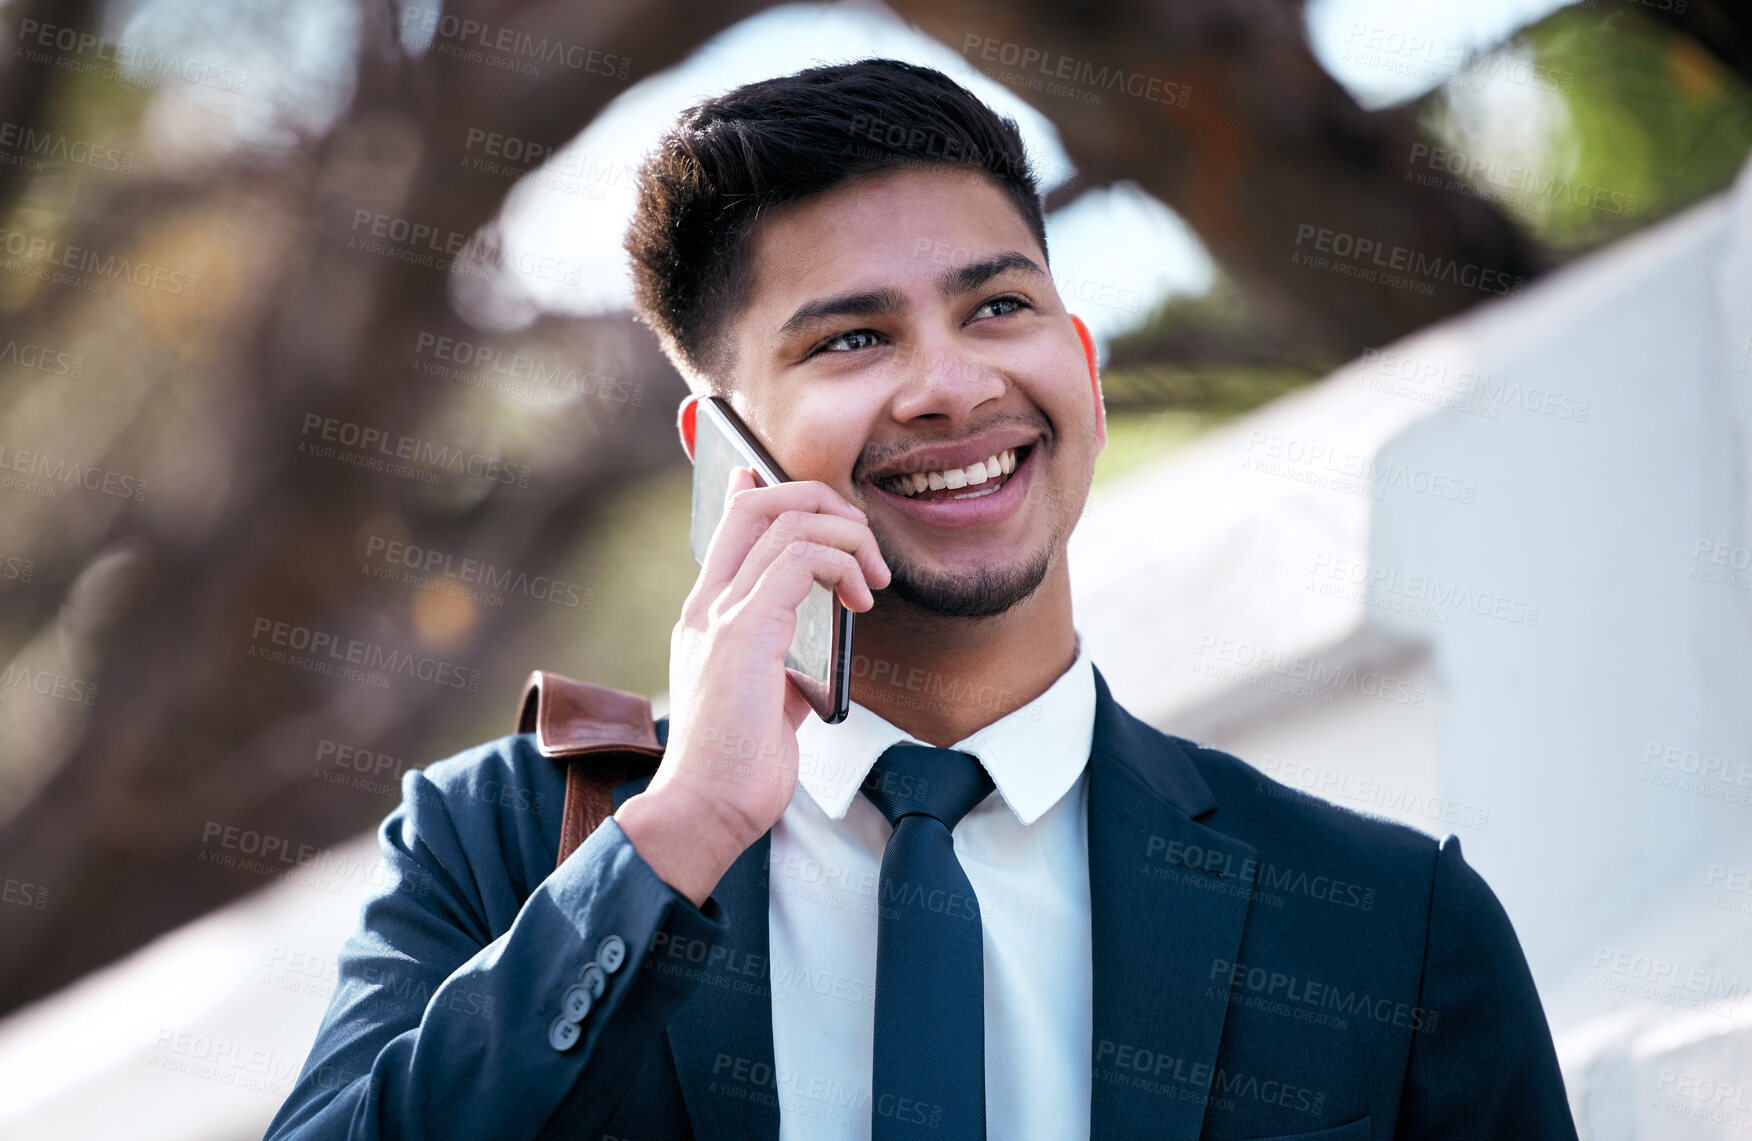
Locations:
column 989, row 903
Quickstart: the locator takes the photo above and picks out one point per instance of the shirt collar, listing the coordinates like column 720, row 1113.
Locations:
column 1034, row 753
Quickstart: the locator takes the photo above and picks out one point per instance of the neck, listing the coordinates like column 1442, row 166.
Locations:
column 943, row 679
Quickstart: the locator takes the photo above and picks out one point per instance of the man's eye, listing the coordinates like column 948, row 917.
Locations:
column 1011, row 304
column 848, row 342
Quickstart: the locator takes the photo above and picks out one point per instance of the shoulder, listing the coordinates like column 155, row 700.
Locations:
column 497, row 802
column 1222, row 792
column 506, row 773
column 1321, row 860
column 1310, row 845
column 1246, row 795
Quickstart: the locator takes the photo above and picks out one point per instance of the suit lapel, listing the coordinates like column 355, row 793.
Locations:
column 1169, row 900
column 722, row 1037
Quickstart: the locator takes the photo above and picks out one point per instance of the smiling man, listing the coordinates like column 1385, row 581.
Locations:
column 990, row 903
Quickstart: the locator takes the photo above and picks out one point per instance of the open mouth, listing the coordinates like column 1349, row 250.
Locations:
column 976, row 480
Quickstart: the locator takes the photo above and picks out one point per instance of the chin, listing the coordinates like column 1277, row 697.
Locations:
column 982, row 592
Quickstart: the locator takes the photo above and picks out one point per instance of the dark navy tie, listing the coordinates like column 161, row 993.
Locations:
column 928, row 1078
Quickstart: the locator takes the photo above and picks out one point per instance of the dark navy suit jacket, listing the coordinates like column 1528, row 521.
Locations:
column 1266, row 965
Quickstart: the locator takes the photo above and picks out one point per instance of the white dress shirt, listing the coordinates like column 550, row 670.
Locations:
column 1026, row 853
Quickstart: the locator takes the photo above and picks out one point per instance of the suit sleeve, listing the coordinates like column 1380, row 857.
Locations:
column 1484, row 1066
column 439, row 1027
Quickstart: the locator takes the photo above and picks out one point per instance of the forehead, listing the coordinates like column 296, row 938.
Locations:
column 885, row 229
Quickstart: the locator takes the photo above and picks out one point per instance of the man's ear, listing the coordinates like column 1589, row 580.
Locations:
column 1094, row 383
column 684, row 423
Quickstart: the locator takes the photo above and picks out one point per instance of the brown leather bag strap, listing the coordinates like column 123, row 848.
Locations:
column 603, row 736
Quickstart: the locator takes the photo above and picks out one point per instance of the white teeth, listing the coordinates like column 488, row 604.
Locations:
column 974, row 474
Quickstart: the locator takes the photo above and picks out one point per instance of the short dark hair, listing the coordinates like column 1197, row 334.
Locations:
column 731, row 160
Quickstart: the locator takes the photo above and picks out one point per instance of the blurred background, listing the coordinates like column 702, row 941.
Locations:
column 1426, row 333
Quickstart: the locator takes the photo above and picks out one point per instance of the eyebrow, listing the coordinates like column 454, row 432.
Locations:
column 888, row 302
column 967, row 278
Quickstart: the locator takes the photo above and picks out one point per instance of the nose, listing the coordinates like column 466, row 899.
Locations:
column 945, row 380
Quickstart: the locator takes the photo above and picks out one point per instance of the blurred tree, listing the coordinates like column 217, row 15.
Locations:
column 1645, row 120
column 313, row 296
column 1648, row 110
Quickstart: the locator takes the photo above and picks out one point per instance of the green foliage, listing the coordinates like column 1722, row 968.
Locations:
column 1650, row 123
column 1639, row 122
column 1653, row 114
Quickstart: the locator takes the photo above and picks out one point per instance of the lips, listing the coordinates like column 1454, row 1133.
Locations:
column 991, row 469
column 995, row 502
column 978, row 481
column 942, row 458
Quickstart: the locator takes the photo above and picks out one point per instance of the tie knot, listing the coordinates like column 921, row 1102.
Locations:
column 919, row 780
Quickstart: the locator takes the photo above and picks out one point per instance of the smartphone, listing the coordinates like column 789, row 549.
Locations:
column 819, row 660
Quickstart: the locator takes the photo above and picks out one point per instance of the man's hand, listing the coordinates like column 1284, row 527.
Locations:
column 731, row 761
